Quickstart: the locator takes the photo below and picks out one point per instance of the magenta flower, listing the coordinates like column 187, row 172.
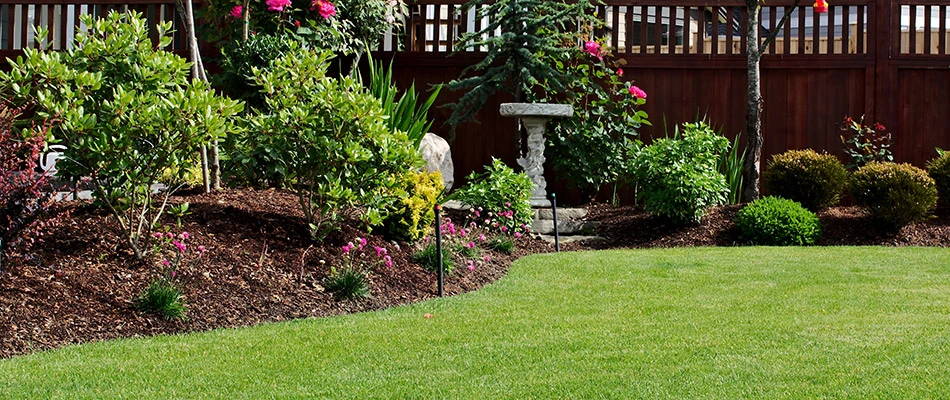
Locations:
column 362, row 242
column 517, row 234
column 380, row 251
column 169, row 235
column 388, row 260
column 619, row 71
column 347, row 247
column 593, row 48
column 237, row 11
column 504, row 228
column 471, row 265
column 508, row 204
column 470, row 245
column 478, row 214
column 166, row 263
column 277, row 5
column 487, row 258
column 181, row 246
column 482, row 237
column 157, row 235
column 325, row 8
column 184, row 235
column 201, row 249
column 637, row 92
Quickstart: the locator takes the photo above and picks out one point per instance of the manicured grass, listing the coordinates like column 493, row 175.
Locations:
column 681, row 323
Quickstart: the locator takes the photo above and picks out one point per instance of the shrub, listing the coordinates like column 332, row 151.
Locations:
column 25, row 196
column 412, row 214
column 774, row 221
column 677, row 176
column 348, row 283
column 894, row 194
column 162, row 297
column 240, row 58
column 814, row 180
column 331, row 137
column 125, row 110
column 939, row 170
column 731, row 165
column 405, row 114
column 500, row 190
column 864, row 143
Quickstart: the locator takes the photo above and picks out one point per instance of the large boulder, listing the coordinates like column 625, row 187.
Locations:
column 438, row 156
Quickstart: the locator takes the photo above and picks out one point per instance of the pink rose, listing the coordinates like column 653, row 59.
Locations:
column 237, row 11
column 277, row 5
column 637, row 92
column 594, row 49
column 619, row 71
column 325, row 8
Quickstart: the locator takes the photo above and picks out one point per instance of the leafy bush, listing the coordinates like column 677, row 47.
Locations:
column 677, row 176
column 865, row 143
column 939, row 170
column 500, row 190
column 774, row 221
column 240, row 58
column 814, row 180
column 405, row 114
column 894, row 194
column 125, row 110
column 412, row 214
column 25, row 196
column 428, row 255
column 162, row 297
column 332, row 140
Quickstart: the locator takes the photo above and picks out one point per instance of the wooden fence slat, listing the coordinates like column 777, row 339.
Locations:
column 912, row 47
column 942, row 41
column 846, row 30
column 927, row 30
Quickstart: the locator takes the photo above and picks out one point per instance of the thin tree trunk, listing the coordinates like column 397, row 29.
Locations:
column 210, row 174
column 754, row 107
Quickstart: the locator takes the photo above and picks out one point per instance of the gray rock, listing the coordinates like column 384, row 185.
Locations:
column 546, row 227
column 563, row 214
column 438, row 156
column 535, row 110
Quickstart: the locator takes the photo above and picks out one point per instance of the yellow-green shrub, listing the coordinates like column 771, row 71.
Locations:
column 411, row 216
column 894, row 194
column 814, row 180
column 939, row 170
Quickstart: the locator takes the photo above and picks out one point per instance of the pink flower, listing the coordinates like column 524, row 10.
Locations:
column 169, row 235
column 166, row 263
column 380, row 251
column 478, row 214
column 504, row 228
column 508, row 204
column 388, row 261
column 237, row 11
column 619, row 71
column 158, row 235
column 487, row 258
column 362, row 241
column 201, row 249
column 517, row 234
column 637, row 92
column 347, row 247
column 326, row 8
column 594, row 49
column 482, row 237
column 471, row 265
column 277, row 5
column 181, row 246
column 470, row 245
column 184, row 235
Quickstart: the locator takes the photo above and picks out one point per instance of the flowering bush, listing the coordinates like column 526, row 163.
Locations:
column 163, row 296
column 351, row 280
column 499, row 190
column 589, row 148
column 330, row 136
column 126, row 112
column 864, row 143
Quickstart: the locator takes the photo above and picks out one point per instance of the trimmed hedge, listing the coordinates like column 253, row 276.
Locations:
column 814, row 180
column 774, row 221
column 894, row 195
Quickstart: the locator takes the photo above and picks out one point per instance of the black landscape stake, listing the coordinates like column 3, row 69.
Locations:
column 438, row 247
column 557, row 238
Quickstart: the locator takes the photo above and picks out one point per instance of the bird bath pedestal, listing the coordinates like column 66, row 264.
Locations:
column 534, row 117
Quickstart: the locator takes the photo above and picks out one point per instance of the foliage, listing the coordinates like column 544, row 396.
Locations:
column 499, row 189
column 677, row 176
column 125, row 111
column 521, row 58
column 25, row 196
column 351, row 280
column 894, row 194
column 774, row 221
column 589, row 148
column 427, row 256
column 343, row 26
column 162, row 297
column 329, row 136
column 178, row 211
column 411, row 215
column 240, row 58
column 348, row 283
column 503, row 244
column 939, row 170
column 730, row 166
column 864, row 143
column 405, row 114
column 814, row 180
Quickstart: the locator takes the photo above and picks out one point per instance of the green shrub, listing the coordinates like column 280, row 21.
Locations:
column 428, row 255
column 939, row 170
column 162, row 297
column 240, row 58
column 331, row 138
column 678, row 176
column 894, row 194
column 731, row 165
column 348, row 283
column 412, row 214
column 406, row 114
column 125, row 110
column 500, row 190
column 774, row 221
column 814, row 180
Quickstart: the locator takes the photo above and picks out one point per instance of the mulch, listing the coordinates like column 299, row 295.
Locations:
column 77, row 284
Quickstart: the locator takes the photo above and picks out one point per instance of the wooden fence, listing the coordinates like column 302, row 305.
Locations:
column 886, row 59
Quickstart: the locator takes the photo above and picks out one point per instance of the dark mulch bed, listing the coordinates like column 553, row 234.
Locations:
column 78, row 284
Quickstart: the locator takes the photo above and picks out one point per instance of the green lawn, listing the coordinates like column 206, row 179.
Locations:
column 680, row 323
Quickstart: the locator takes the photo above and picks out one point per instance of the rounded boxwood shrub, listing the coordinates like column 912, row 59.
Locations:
column 894, row 194
column 774, row 221
column 939, row 170
column 814, row 180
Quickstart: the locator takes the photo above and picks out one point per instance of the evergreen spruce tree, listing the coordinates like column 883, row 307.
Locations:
column 534, row 35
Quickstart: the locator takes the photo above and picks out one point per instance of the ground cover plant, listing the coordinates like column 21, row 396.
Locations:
column 662, row 323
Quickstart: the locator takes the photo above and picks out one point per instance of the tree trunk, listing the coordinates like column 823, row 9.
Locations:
column 210, row 174
column 753, row 116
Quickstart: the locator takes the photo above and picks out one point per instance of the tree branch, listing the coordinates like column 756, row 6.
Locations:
column 775, row 29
